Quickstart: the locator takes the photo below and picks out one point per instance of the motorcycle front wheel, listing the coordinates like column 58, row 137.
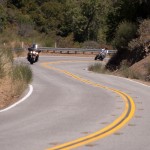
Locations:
column 96, row 57
column 31, row 61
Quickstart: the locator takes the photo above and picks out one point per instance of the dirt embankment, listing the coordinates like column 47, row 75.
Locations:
column 6, row 93
column 142, row 67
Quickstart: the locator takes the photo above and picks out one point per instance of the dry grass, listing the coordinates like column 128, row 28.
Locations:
column 142, row 67
column 6, row 95
column 98, row 67
column 13, row 78
column 10, row 91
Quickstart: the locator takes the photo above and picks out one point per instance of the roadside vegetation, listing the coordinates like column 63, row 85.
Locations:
column 132, row 59
column 133, row 72
column 70, row 23
column 14, row 77
column 99, row 68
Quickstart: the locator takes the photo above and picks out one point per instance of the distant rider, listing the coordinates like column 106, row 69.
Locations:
column 33, row 48
column 104, row 52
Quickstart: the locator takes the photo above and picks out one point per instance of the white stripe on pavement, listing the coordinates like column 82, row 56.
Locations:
column 20, row 101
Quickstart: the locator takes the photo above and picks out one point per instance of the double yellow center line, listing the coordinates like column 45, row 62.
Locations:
column 121, row 121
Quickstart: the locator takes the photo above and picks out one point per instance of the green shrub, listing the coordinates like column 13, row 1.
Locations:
column 21, row 76
column 49, row 42
column 125, row 33
column 22, row 72
column 97, row 67
column 6, row 60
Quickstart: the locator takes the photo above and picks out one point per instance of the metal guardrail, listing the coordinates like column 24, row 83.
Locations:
column 68, row 50
column 75, row 50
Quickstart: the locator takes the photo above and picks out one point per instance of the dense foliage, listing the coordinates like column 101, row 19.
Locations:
column 107, row 22
column 95, row 20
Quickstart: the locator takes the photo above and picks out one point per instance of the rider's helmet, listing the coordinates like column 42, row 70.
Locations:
column 35, row 46
column 103, row 49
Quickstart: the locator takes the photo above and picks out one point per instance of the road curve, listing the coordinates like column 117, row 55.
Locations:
column 71, row 107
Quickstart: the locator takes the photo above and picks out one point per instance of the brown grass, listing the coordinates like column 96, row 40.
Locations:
column 10, row 91
column 13, row 78
column 6, row 97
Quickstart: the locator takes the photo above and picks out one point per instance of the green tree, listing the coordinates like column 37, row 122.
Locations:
column 25, row 25
column 52, row 12
column 120, row 10
column 81, row 18
column 126, row 31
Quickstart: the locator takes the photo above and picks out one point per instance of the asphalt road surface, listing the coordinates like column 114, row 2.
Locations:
column 73, row 108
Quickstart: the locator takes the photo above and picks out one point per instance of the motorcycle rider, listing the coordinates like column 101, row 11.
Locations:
column 104, row 52
column 33, row 48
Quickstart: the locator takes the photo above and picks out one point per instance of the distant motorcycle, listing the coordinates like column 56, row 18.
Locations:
column 33, row 54
column 101, row 55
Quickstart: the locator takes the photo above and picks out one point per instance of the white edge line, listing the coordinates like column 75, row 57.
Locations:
column 132, row 81
column 21, row 100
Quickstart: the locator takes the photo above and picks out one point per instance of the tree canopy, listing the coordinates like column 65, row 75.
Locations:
column 95, row 20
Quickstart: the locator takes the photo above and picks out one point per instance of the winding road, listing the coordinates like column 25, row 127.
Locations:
column 73, row 108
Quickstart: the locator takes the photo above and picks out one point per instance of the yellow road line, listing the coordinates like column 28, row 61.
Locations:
column 121, row 121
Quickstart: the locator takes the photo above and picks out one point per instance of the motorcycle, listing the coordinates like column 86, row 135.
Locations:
column 100, row 56
column 33, row 56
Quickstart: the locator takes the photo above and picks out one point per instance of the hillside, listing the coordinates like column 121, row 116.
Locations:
column 79, row 20
column 142, row 67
